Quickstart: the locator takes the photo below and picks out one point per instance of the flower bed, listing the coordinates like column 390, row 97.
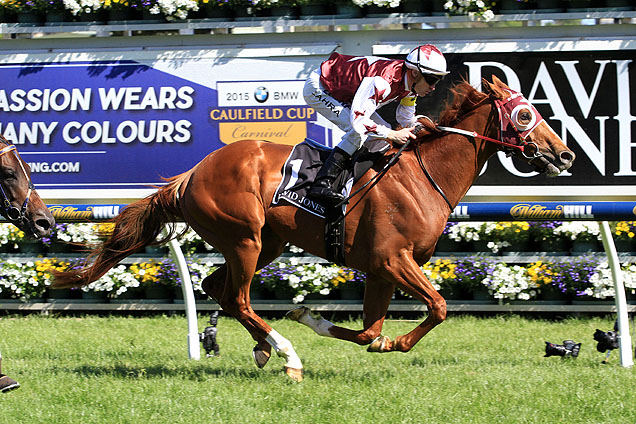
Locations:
column 459, row 277
column 496, row 237
column 97, row 11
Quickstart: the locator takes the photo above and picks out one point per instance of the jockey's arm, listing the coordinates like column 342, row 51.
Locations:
column 372, row 91
column 405, row 116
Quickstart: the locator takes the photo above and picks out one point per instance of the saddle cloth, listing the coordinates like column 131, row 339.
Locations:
column 304, row 162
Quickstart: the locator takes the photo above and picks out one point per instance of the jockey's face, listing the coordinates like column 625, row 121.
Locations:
column 418, row 83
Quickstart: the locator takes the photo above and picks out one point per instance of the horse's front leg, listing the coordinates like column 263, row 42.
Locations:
column 377, row 296
column 408, row 276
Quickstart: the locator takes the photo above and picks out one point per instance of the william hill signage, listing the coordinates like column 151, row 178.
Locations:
column 541, row 212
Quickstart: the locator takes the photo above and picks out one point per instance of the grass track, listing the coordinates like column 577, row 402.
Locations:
column 468, row 370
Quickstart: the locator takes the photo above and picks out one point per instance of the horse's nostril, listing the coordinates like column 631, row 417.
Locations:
column 45, row 224
column 566, row 157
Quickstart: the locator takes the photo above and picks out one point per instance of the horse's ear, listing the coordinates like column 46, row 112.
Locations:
column 498, row 82
column 494, row 89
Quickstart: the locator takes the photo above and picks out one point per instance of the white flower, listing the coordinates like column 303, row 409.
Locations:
column 510, row 282
column 578, row 229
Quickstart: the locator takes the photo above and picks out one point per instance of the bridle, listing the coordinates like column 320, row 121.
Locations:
column 7, row 210
column 507, row 147
column 512, row 136
column 512, row 133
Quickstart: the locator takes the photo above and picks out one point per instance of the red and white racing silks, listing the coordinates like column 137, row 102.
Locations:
column 368, row 83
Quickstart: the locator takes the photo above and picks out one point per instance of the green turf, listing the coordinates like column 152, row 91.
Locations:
column 468, row 370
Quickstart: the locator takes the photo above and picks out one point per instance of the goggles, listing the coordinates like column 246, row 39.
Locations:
column 432, row 79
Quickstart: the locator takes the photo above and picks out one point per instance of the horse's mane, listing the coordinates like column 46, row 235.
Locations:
column 465, row 99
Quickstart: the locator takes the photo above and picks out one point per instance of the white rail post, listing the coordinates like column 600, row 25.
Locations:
column 194, row 349
column 625, row 338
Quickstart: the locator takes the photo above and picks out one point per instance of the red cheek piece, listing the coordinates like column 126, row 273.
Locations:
column 509, row 132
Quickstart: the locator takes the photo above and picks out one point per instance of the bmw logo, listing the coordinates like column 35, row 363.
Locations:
column 261, row 94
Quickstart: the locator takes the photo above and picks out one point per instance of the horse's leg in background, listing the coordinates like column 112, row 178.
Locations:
column 214, row 284
column 377, row 296
column 409, row 277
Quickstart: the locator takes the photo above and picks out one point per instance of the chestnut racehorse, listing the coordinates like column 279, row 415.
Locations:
column 390, row 232
column 21, row 204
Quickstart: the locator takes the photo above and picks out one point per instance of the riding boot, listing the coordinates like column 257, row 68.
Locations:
column 323, row 187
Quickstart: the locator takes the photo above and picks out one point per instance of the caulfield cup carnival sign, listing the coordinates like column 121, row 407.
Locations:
column 125, row 120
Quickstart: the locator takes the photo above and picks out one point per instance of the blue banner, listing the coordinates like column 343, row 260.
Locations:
column 126, row 124
column 520, row 211
column 544, row 211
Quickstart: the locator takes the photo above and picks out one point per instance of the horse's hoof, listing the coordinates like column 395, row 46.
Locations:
column 380, row 344
column 260, row 357
column 7, row 384
column 297, row 313
column 295, row 374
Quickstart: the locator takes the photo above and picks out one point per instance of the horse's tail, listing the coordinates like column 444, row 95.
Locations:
column 138, row 225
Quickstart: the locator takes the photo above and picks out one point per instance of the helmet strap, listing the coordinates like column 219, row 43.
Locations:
column 410, row 75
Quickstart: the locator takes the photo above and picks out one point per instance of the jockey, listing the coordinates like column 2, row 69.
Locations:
column 348, row 90
column 6, row 383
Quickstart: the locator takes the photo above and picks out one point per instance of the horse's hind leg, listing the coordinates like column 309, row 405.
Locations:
column 242, row 265
column 214, row 286
column 377, row 296
column 233, row 296
column 272, row 247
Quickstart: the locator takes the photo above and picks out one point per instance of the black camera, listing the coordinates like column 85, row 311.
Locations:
column 208, row 337
column 568, row 348
column 607, row 340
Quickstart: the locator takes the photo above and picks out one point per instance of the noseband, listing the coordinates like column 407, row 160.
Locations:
column 9, row 211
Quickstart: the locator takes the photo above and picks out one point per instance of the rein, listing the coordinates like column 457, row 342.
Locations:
column 521, row 147
column 418, row 155
column 529, row 150
column 376, row 178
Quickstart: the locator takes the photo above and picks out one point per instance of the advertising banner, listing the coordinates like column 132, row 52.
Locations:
column 468, row 211
column 116, row 122
column 121, row 121
column 589, row 100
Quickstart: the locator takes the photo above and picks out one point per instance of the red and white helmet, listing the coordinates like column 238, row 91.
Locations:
column 427, row 59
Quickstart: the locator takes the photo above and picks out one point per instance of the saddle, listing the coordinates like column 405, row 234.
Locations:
column 299, row 172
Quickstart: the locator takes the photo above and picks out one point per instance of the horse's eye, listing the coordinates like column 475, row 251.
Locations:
column 7, row 173
column 524, row 117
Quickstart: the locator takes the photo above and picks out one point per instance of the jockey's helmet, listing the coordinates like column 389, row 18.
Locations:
column 427, row 59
